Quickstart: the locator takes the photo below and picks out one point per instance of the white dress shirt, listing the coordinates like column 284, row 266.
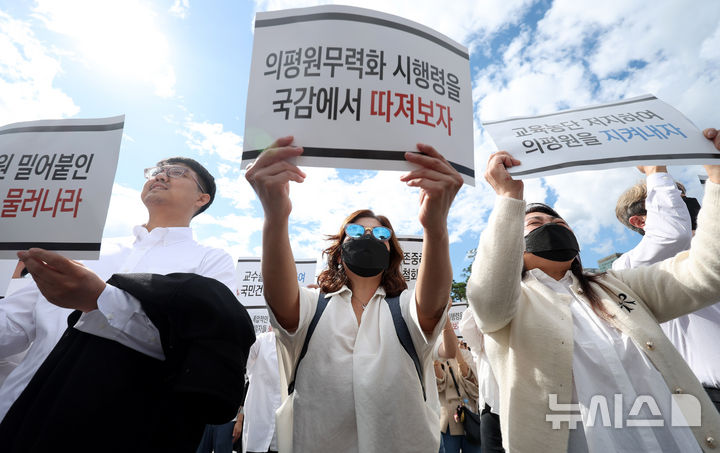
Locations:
column 607, row 363
column 9, row 363
column 667, row 232
column 667, row 225
column 263, row 395
column 488, row 386
column 27, row 317
column 357, row 389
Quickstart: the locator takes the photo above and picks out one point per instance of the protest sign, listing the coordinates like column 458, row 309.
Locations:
column 248, row 274
column 357, row 88
column 638, row 131
column 412, row 255
column 260, row 319
column 56, row 179
column 455, row 315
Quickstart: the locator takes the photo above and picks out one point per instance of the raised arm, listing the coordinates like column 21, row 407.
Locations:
column 494, row 284
column 692, row 277
column 439, row 182
column 270, row 177
column 448, row 348
column 667, row 223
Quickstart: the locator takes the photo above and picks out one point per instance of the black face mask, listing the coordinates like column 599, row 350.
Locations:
column 693, row 207
column 553, row 242
column 365, row 256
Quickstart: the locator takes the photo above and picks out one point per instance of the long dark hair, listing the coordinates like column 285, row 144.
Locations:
column 333, row 278
column 585, row 279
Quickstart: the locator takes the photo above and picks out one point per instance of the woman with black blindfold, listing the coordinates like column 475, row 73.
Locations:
column 581, row 362
column 360, row 385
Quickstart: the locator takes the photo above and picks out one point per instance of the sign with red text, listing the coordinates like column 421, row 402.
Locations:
column 638, row 131
column 250, row 286
column 455, row 314
column 56, row 179
column 260, row 319
column 357, row 89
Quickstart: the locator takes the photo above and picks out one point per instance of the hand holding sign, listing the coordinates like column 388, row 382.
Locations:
column 63, row 282
column 439, row 183
column 499, row 178
column 713, row 171
column 270, row 175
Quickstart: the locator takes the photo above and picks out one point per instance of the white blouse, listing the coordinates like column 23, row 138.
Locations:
column 356, row 388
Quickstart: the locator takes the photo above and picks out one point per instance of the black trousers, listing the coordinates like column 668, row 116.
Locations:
column 490, row 432
column 714, row 395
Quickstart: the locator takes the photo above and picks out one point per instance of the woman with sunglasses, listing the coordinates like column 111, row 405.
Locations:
column 357, row 389
column 580, row 360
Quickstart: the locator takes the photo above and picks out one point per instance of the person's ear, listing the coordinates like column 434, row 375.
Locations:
column 202, row 200
column 638, row 221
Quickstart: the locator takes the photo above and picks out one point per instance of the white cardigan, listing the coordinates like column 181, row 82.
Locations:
column 528, row 328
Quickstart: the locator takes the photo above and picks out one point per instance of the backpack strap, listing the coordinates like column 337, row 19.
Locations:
column 403, row 334
column 321, row 304
column 401, row 330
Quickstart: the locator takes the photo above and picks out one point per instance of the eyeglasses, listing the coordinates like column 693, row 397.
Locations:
column 172, row 172
column 380, row 233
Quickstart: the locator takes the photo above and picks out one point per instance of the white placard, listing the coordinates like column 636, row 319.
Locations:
column 248, row 274
column 357, row 88
column 638, row 131
column 412, row 255
column 455, row 315
column 260, row 319
column 56, row 179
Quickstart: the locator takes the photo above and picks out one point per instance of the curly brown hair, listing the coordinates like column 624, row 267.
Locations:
column 333, row 278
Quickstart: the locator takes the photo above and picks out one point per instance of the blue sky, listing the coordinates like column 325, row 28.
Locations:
column 178, row 70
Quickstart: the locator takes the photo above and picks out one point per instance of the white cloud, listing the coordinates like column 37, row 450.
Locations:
column 180, row 8
column 117, row 37
column 582, row 53
column 238, row 234
column 126, row 210
column 28, row 70
column 211, row 138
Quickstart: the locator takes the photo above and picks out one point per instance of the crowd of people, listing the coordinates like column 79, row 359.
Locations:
column 147, row 349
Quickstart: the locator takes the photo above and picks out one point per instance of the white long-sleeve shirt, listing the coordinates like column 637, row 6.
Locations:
column 27, row 319
column 667, row 233
column 487, row 384
column 667, row 225
column 607, row 363
column 263, row 395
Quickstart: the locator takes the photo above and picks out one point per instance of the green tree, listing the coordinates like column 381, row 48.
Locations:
column 457, row 291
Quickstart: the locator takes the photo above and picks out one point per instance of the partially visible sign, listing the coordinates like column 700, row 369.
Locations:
column 638, row 131
column 260, row 319
column 357, row 89
column 56, row 179
column 455, row 314
column 248, row 274
column 412, row 254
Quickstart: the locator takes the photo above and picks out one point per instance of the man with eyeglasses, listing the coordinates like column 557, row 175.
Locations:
column 177, row 189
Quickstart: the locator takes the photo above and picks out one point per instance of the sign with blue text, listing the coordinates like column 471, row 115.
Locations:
column 638, row 131
column 357, row 88
column 250, row 286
